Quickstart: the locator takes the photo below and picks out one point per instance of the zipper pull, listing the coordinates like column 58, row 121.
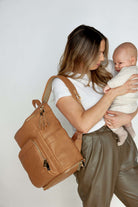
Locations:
column 83, row 163
column 46, row 165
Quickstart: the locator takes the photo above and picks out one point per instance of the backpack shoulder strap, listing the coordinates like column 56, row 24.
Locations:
column 67, row 82
column 77, row 137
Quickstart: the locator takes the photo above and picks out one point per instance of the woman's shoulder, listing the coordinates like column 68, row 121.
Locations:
column 59, row 89
column 57, row 82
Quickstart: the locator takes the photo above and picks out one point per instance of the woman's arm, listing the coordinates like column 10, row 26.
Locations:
column 116, row 119
column 84, row 120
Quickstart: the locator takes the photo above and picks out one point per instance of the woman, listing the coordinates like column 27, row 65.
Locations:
column 108, row 168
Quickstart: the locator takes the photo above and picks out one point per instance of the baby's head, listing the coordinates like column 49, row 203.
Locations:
column 125, row 55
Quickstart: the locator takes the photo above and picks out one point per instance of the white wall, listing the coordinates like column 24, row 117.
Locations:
column 32, row 38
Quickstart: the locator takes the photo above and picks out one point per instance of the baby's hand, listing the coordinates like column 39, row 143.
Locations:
column 106, row 89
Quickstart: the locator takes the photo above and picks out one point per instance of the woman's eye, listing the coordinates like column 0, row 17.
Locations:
column 120, row 63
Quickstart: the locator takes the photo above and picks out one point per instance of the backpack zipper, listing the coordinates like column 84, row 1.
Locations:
column 45, row 163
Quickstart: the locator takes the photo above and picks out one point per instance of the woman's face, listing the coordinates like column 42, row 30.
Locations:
column 100, row 57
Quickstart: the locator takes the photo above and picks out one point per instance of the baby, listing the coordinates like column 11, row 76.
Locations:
column 124, row 58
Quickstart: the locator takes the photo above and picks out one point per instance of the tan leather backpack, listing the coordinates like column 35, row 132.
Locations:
column 47, row 153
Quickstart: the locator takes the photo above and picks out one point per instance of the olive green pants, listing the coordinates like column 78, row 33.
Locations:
column 108, row 169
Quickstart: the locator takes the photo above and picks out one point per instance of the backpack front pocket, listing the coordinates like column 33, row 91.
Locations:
column 36, row 164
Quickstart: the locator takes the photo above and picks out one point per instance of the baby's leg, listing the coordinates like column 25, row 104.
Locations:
column 122, row 135
column 130, row 129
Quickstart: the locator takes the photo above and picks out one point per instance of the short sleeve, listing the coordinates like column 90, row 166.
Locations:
column 59, row 89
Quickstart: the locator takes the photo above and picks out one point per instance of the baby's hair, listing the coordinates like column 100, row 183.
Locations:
column 130, row 47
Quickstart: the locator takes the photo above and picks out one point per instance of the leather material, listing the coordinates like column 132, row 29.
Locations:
column 47, row 153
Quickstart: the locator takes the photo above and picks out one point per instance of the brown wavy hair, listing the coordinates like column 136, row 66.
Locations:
column 81, row 52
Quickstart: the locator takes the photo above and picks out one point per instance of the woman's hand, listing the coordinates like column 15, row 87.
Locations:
column 130, row 86
column 116, row 119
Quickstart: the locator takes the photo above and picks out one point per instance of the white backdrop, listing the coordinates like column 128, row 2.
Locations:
column 33, row 34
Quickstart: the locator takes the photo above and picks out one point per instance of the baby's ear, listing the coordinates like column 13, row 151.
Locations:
column 133, row 60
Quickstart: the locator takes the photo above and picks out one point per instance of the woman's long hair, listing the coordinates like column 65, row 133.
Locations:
column 81, row 52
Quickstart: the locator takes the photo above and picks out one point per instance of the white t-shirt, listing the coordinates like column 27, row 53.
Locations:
column 88, row 96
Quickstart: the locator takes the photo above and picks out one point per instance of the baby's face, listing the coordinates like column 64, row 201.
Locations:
column 121, row 59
